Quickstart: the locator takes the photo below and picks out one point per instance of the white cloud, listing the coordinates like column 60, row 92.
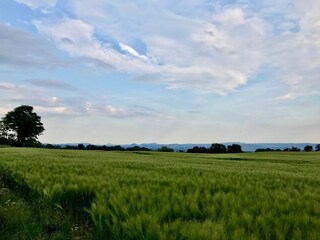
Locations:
column 17, row 89
column 77, row 38
column 73, row 105
column 206, row 61
column 137, row 112
column 132, row 51
column 56, row 110
column 35, row 4
column 217, row 50
column 105, row 110
column 296, row 53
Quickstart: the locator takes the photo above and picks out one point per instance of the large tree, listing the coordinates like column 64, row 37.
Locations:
column 23, row 125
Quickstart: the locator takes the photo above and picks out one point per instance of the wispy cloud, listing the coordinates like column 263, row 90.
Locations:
column 218, row 50
column 47, row 83
column 18, row 89
column 74, row 105
column 140, row 112
column 7, row 86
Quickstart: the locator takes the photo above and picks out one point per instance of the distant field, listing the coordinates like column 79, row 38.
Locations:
column 151, row 195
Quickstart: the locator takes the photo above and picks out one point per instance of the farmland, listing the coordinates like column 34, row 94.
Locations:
column 152, row 195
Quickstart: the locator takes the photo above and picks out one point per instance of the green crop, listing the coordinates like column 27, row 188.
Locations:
column 152, row 195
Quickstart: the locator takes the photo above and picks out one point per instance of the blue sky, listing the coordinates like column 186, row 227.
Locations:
column 168, row 71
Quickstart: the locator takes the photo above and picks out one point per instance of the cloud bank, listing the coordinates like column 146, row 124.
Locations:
column 203, row 47
column 217, row 50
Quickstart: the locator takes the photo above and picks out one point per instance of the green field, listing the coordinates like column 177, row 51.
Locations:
column 152, row 195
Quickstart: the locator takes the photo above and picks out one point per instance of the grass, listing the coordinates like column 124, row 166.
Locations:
column 176, row 195
column 22, row 219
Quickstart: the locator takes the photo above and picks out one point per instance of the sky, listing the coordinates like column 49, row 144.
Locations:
column 166, row 71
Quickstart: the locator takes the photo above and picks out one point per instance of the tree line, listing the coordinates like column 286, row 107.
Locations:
column 214, row 148
column 217, row 148
column 22, row 126
column 307, row 148
column 105, row 148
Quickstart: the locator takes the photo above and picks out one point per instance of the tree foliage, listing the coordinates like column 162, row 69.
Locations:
column 165, row 149
column 217, row 148
column 197, row 149
column 22, row 125
column 308, row 148
column 234, row 148
column 292, row 149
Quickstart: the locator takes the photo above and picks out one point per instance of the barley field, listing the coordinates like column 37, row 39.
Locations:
column 152, row 195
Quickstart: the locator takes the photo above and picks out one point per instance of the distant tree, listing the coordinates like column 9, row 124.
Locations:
column 137, row 148
column 104, row 147
column 270, row 150
column 70, row 147
column 295, row 149
column 234, row 148
column 264, row 150
column 308, row 148
column 81, row 146
column 22, row 125
column 318, row 147
column 91, row 147
column 197, row 149
column 165, row 149
column 217, row 148
column 114, row 148
column 118, row 148
column 49, row 146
